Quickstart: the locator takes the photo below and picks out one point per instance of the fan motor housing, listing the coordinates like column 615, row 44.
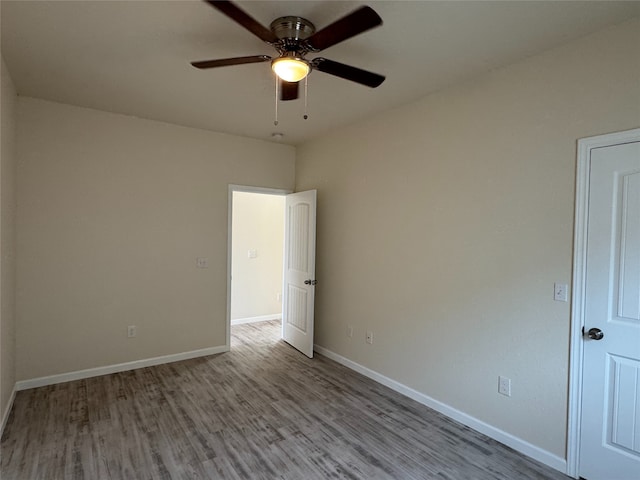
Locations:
column 292, row 28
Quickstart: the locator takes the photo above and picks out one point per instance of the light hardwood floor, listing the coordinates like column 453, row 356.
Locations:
column 261, row 411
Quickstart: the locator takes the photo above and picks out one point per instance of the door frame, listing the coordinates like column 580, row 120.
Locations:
column 576, row 356
column 247, row 189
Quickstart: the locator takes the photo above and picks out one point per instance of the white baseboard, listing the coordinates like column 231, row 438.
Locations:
column 7, row 410
column 120, row 367
column 501, row 436
column 259, row 318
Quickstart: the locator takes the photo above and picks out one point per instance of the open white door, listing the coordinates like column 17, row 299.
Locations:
column 610, row 423
column 299, row 271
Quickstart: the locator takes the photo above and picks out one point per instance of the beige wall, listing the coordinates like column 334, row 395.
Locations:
column 443, row 225
column 112, row 213
column 258, row 224
column 7, row 240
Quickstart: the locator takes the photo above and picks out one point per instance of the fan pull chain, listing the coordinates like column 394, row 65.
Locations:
column 306, row 83
column 275, row 121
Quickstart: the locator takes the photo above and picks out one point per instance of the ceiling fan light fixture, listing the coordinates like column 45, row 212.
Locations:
column 290, row 69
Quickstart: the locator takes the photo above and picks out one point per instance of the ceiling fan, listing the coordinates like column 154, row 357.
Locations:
column 293, row 38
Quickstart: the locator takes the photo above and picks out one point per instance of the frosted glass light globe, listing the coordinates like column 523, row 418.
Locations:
column 290, row 69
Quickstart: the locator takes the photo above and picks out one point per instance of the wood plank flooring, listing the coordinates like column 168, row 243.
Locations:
column 261, row 411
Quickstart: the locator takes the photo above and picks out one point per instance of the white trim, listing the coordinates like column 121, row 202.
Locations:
column 249, row 189
column 501, row 436
column 7, row 410
column 585, row 145
column 259, row 318
column 119, row 367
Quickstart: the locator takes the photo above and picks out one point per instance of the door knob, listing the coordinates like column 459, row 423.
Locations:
column 310, row 282
column 595, row 334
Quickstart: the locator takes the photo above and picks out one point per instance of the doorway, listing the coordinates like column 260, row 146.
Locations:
column 255, row 249
column 604, row 396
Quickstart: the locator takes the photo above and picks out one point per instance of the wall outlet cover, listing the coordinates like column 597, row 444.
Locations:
column 504, row 386
column 202, row 262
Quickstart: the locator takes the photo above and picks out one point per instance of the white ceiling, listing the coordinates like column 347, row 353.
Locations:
column 132, row 57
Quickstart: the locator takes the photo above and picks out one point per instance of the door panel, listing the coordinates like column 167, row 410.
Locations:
column 299, row 271
column 624, row 429
column 629, row 259
column 610, row 423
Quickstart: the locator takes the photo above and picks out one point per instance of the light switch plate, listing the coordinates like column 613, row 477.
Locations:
column 560, row 292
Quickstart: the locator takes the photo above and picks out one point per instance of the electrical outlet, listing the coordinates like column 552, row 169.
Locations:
column 202, row 262
column 131, row 331
column 370, row 337
column 504, row 386
column 350, row 331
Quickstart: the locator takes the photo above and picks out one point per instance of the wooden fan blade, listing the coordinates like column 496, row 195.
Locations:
column 349, row 26
column 288, row 90
column 347, row 72
column 225, row 62
column 242, row 18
